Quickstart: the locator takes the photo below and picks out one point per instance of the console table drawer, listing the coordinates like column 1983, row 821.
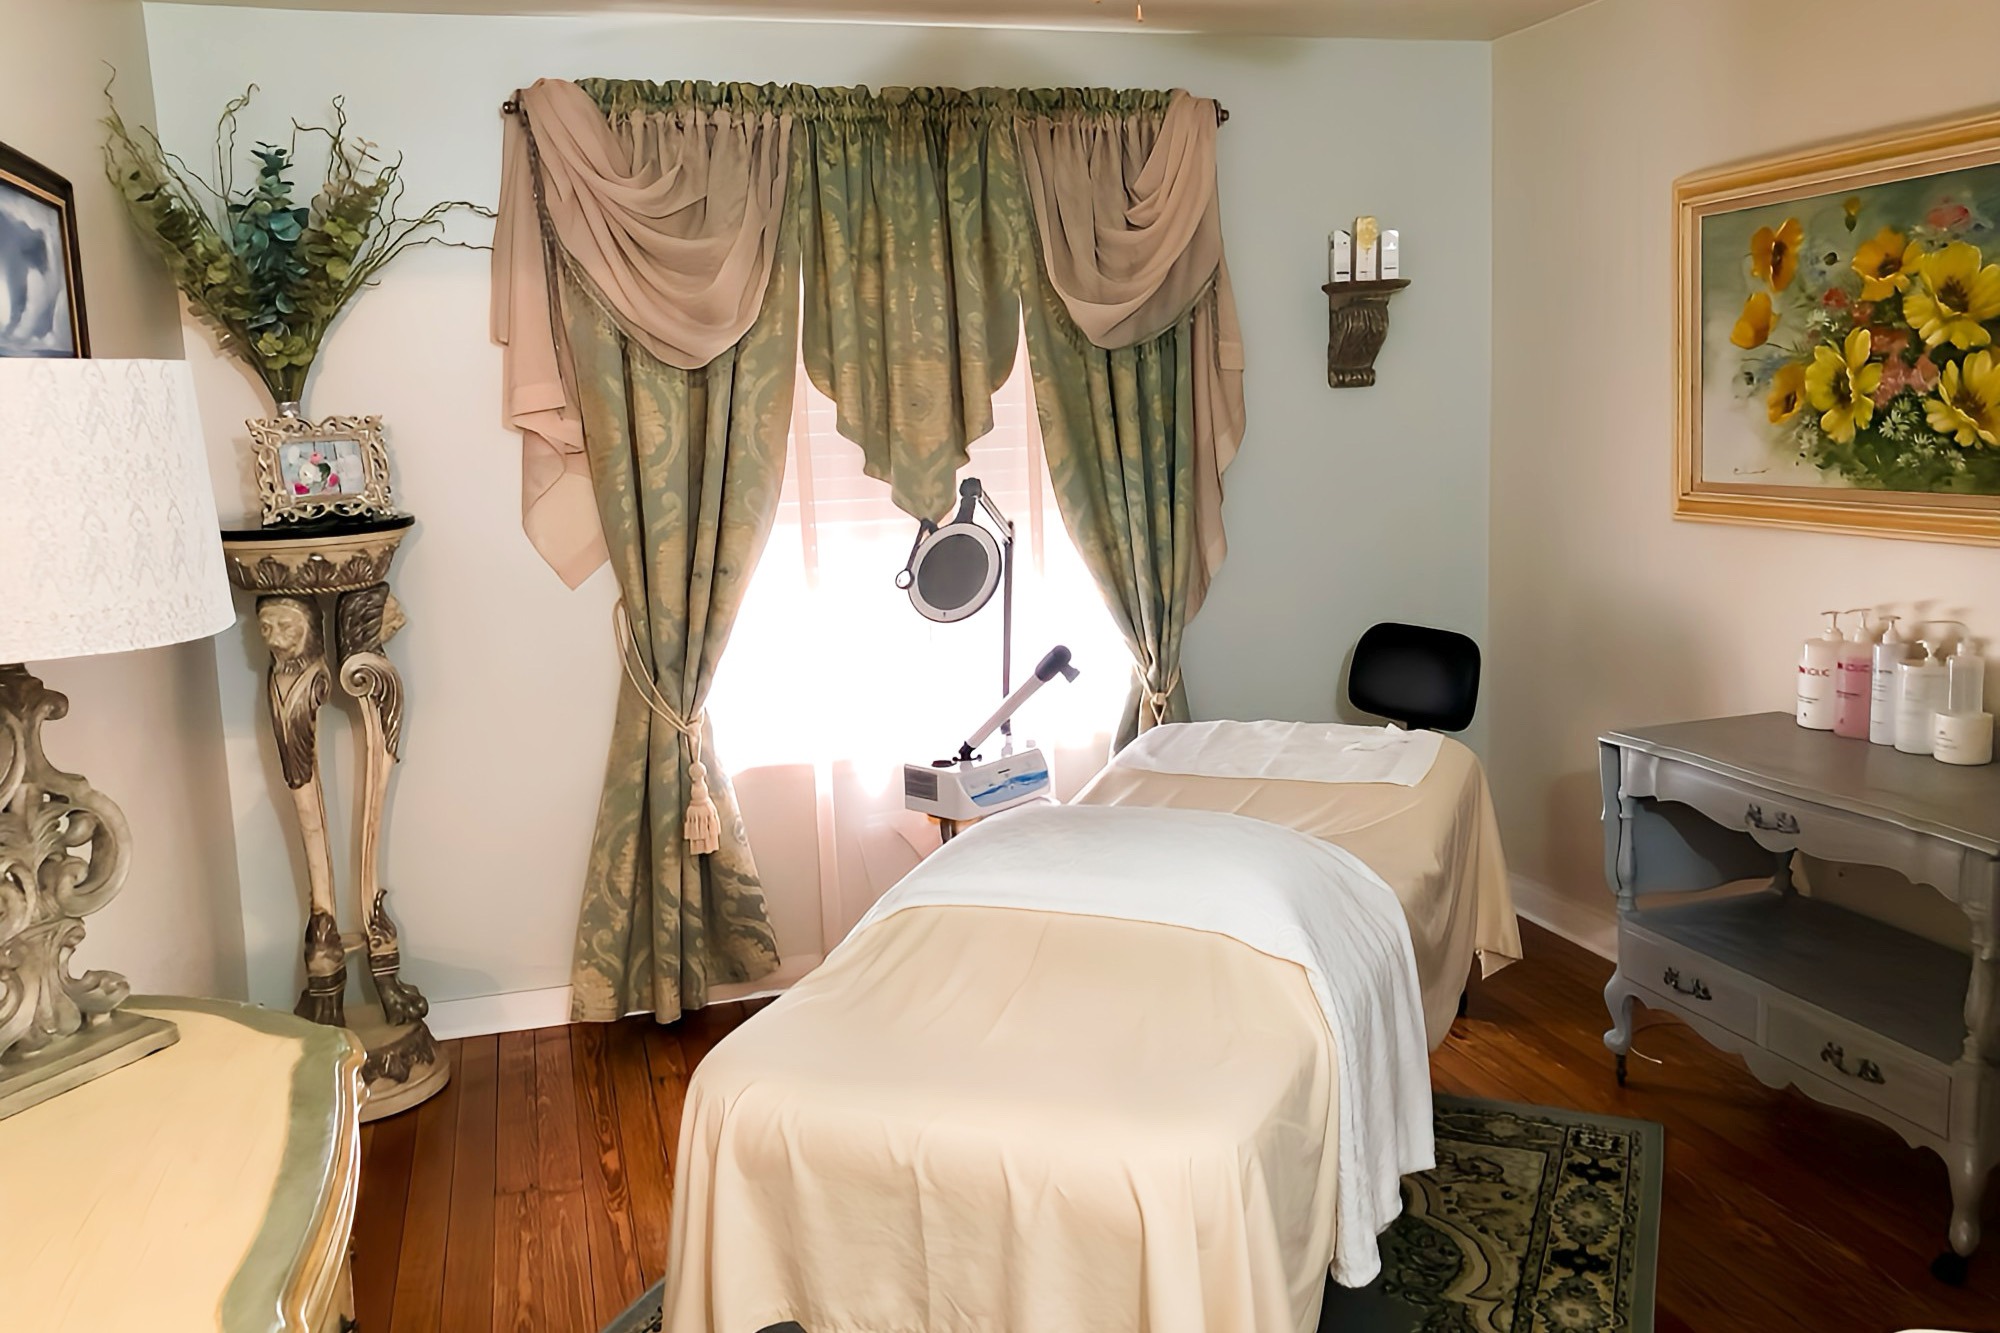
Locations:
column 1864, row 1065
column 1689, row 980
column 1774, row 820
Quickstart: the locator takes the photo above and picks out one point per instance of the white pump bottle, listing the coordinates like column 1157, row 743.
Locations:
column 1817, row 662
column 1888, row 654
column 1920, row 697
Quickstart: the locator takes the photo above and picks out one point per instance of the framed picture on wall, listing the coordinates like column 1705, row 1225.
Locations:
column 41, row 269
column 1837, row 329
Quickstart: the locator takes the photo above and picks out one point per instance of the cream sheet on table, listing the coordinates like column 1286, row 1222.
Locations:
column 1045, row 1174
column 977, row 1118
column 1437, row 844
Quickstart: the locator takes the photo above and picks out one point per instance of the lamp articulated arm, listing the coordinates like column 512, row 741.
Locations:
column 1055, row 663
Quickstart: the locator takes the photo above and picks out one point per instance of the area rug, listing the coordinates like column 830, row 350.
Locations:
column 1535, row 1221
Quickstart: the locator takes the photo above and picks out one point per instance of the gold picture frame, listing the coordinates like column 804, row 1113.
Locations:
column 334, row 468
column 1893, row 204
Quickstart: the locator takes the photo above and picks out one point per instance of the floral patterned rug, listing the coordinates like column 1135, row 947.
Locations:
column 1534, row 1221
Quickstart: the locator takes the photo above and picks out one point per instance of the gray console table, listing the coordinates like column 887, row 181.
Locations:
column 1848, row 1010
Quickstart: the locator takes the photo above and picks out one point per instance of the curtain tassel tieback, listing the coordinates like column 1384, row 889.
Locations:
column 1157, row 701
column 701, row 826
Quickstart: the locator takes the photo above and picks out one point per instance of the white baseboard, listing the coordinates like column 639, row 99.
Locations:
column 513, row 1011
column 1587, row 924
column 789, row 973
column 523, row 1010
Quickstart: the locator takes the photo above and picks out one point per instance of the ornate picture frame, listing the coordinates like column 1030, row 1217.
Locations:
column 335, row 468
column 1837, row 335
column 41, row 263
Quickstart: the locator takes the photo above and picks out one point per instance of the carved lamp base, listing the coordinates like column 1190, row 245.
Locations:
column 70, row 1062
column 63, row 855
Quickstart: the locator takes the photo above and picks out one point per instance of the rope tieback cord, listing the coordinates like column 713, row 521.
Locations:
column 1156, row 701
column 702, row 825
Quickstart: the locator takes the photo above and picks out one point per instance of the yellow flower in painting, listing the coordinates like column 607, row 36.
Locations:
column 1774, row 255
column 1967, row 406
column 1952, row 296
column 1884, row 264
column 1788, row 392
column 1839, row 381
column 1754, row 325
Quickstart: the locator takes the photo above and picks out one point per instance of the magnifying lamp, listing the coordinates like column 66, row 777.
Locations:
column 954, row 567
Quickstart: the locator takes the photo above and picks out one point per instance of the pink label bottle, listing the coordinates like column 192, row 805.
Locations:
column 1854, row 679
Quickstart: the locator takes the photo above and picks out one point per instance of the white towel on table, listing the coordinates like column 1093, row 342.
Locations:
column 1301, row 751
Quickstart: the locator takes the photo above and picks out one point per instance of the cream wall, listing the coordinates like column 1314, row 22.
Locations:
column 1605, row 611
column 145, row 728
column 1346, row 507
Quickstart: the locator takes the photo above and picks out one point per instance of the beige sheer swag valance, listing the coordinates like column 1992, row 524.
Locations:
column 670, row 218
column 669, row 213
column 1131, row 237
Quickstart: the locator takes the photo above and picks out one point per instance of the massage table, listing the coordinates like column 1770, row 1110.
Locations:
column 980, row 1117
column 1437, row 844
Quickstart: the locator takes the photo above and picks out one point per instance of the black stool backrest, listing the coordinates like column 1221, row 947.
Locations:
column 1421, row 677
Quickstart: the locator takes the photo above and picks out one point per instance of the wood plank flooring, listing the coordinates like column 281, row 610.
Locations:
column 533, row 1194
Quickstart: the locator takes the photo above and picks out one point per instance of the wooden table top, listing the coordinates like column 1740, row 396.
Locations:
column 1771, row 750
column 208, row 1186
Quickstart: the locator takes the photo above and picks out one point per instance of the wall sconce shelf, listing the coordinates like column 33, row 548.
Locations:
column 1357, row 324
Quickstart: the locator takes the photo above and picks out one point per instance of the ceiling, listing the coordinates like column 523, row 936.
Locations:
column 1477, row 20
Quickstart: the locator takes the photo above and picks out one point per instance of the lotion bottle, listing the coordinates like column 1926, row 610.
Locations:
column 1816, row 704
column 1920, row 696
column 1888, row 654
column 1966, row 688
column 1853, row 679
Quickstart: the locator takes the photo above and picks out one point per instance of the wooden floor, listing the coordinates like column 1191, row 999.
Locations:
column 534, row 1192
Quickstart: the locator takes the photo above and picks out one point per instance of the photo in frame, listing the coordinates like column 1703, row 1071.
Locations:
column 41, row 264
column 1837, row 311
column 338, row 467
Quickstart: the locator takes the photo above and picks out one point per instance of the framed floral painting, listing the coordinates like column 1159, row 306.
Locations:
column 1838, row 337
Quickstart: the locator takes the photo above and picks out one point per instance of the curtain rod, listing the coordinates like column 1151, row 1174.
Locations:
column 511, row 106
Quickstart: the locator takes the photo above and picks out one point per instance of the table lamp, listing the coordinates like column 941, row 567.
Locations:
column 108, row 544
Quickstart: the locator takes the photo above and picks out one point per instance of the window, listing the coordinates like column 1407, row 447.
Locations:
column 832, row 681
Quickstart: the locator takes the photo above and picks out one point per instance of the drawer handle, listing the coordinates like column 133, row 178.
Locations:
column 1777, row 823
column 1695, row 989
column 1865, row 1070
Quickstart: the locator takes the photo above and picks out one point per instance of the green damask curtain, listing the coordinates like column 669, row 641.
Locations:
column 915, row 229
column 907, row 243
column 1122, row 424
column 687, row 466
column 1117, row 426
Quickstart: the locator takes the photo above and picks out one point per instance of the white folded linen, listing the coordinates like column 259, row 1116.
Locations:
column 1302, row 751
column 1280, row 892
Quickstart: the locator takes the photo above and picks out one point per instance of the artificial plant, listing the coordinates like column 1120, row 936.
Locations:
column 268, row 274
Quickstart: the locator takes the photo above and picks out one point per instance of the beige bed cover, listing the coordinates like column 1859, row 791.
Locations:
column 980, row 1119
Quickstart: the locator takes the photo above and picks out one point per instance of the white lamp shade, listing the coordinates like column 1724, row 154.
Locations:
column 108, row 539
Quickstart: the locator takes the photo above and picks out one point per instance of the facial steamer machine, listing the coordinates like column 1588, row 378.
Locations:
column 951, row 573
